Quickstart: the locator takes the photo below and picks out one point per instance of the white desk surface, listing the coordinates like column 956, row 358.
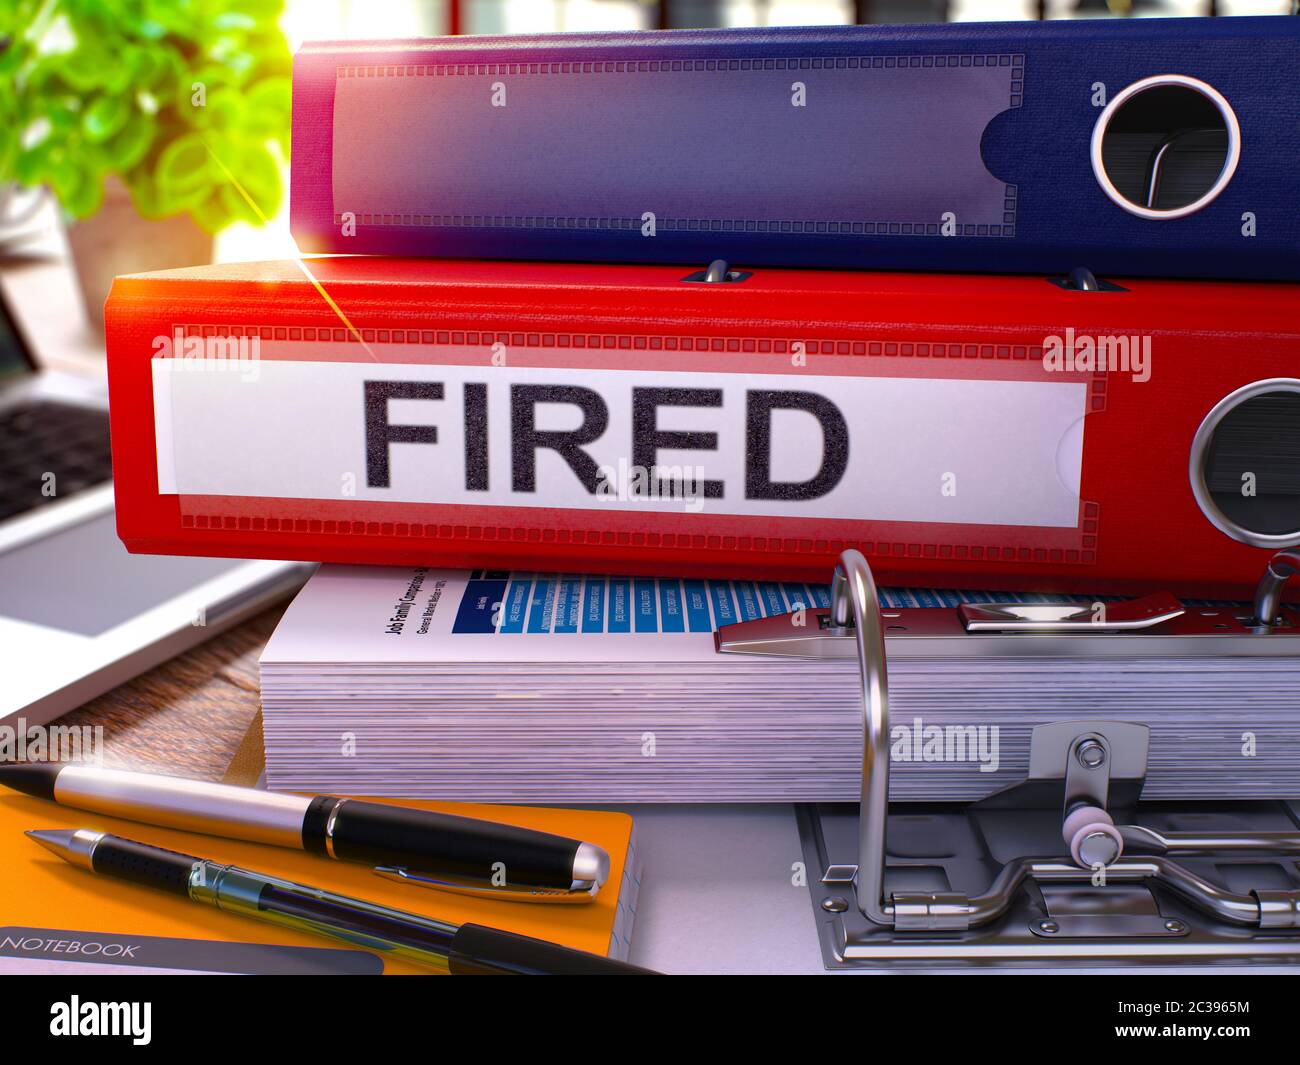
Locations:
column 718, row 896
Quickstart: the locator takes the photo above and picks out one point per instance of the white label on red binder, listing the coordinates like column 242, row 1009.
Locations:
column 954, row 450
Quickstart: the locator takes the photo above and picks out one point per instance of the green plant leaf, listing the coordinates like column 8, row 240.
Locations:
column 87, row 198
column 131, row 144
column 181, row 19
column 153, row 201
column 29, row 168
column 178, row 201
column 270, row 104
column 266, row 12
column 113, row 90
column 211, row 213
column 144, row 195
column 235, row 20
column 168, row 73
column 182, row 166
column 259, row 174
column 79, row 187
column 104, row 117
column 237, row 208
column 85, row 69
column 226, row 111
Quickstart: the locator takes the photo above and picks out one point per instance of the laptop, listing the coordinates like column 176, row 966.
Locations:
column 78, row 614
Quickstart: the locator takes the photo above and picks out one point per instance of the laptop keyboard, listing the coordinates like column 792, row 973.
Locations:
column 48, row 452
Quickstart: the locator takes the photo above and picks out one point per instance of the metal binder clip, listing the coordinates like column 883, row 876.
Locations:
column 1132, row 614
column 1156, row 165
column 1081, row 279
column 1268, row 594
column 974, row 883
column 717, row 273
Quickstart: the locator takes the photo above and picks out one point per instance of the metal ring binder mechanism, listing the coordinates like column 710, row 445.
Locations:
column 1070, row 866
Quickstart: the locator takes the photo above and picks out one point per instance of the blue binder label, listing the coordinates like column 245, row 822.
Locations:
column 697, row 606
column 620, row 616
column 562, row 604
column 894, row 142
column 593, row 605
column 568, row 604
column 516, row 603
column 670, row 606
column 647, row 613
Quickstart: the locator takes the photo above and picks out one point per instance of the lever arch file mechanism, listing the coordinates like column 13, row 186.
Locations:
column 1070, row 866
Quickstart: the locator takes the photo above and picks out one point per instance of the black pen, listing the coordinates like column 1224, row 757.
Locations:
column 463, row 950
column 419, row 847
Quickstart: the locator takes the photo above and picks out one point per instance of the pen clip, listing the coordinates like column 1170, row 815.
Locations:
column 580, row 892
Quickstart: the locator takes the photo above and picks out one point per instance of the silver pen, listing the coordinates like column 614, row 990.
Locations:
column 419, row 847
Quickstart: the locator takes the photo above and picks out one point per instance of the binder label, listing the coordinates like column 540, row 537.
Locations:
column 640, row 605
column 906, row 449
column 879, row 145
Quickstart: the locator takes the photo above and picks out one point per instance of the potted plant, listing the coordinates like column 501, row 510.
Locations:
column 137, row 115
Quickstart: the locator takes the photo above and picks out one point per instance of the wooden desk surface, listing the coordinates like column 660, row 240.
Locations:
column 189, row 716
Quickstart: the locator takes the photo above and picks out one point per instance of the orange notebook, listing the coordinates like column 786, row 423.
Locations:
column 59, row 919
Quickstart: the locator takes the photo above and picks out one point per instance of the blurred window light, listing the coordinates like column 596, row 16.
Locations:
column 902, row 12
column 808, row 13
column 694, row 14
column 378, row 19
column 1072, row 9
column 706, row 14
column 323, row 20
column 992, row 10
column 1256, row 7
column 554, row 16
column 508, row 16
column 703, row 14
column 605, row 15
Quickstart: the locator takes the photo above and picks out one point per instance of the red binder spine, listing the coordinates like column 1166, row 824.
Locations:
column 359, row 438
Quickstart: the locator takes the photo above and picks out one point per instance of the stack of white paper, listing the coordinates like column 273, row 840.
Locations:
column 542, row 688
